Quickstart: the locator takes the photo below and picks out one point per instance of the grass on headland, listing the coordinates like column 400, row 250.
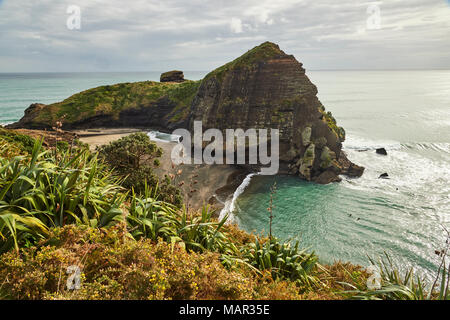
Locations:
column 110, row 100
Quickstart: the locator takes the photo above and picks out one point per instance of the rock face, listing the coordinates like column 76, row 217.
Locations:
column 264, row 88
column 172, row 76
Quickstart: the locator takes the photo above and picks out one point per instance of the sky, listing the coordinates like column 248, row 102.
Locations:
column 200, row 35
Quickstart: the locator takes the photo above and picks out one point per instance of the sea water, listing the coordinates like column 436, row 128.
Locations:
column 406, row 112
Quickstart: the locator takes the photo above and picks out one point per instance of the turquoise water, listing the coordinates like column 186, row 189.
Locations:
column 407, row 112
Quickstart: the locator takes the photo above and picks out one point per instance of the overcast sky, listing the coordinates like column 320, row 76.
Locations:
column 200, row 35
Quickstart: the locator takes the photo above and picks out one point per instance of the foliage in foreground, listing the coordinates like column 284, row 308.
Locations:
column 42, row 193
column 283, row 260
column 153, row 219
column 11, row 139
column 394, row 286
column 117, row 267
column 71, row 210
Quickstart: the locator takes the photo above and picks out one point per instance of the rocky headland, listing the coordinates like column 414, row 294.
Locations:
column 264, row 88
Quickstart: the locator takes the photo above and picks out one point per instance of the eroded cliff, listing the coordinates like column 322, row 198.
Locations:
column 266, row 88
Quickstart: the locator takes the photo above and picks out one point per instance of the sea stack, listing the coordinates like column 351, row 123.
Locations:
column 267, row 88
column 172, row 76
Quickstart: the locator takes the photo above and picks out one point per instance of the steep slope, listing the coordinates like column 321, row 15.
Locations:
column 266, row 88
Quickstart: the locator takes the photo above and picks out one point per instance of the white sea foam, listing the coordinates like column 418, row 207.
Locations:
column 418, row 172
column 230, row 204
column 163, row 137
column 354, row 142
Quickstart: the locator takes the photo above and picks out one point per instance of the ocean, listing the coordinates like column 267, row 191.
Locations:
column 406, row 112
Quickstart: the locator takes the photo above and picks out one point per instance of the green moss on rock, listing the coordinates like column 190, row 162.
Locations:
column 327, row 156
column 263, row 52
column 331, row 122
column 307, row 162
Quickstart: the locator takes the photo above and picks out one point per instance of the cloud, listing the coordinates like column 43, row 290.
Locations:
column 142, row 35
column 236, row 25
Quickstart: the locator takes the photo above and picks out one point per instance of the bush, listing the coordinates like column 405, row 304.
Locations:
column 42, row 193
column 394, row 286
column 116, row 267
column 130, row 151
column 133, row 157
column 22, row 141
column 282, row 260
column 153, row 219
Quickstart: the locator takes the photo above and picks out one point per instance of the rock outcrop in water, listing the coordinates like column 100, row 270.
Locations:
column 381, row 151
column 264, row 88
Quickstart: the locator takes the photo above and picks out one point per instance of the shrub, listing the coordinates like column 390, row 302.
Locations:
column 116, row 267
column 283, row 260
column 129, row 152
column 394, row 286
column 153, row 219
column 133, row 157
column 42, row 193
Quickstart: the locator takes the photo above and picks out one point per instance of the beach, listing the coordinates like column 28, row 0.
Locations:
column 200, row 184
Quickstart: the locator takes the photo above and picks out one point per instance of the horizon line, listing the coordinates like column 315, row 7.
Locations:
column 162, row 71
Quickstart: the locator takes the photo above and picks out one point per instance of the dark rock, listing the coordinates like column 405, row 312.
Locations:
column 267, row 88
column 327, row 177
column 29, row 115
column 348, row 168
column 381, row 151
column 172, row 76
column 384, row 176
column 355, row 170
column 156, row 105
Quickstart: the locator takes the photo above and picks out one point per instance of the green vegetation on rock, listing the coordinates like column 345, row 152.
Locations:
column 332, row 124
column 263, row 52
column 112, row 99
column 182, row 95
